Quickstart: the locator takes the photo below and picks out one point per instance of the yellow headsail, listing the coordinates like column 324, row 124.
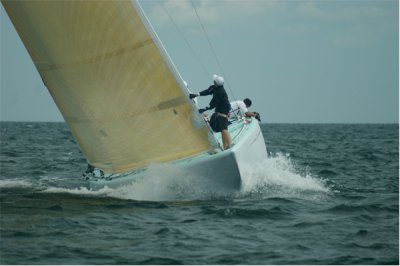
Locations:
column 111, row 81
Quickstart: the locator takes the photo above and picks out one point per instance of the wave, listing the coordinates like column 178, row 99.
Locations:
column 84, row 191
column 15, row 183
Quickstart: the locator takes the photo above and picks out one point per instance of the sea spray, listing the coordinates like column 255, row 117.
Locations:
column 164, row 182
column 276, row 176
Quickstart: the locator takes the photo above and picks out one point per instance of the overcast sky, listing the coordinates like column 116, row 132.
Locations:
column 299, row 61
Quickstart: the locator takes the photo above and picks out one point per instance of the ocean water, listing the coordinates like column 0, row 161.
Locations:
column 327, row 194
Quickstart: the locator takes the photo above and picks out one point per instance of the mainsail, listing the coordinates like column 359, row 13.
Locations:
column 111, row 80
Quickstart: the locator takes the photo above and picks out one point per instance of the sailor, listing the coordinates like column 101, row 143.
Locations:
column 241, row 107
column 89, row 171
column 219, row 101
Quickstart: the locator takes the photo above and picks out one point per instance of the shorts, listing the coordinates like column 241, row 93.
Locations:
column 218, row 122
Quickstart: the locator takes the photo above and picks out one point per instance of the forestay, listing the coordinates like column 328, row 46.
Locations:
column 111, row 80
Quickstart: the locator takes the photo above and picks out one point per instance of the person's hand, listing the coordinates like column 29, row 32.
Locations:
column 193, row 95
column 202, row 110
column 257, row 116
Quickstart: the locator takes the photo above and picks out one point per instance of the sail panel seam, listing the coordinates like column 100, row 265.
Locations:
column 95, row 59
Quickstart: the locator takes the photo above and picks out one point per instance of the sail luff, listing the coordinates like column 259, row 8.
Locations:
column 159, row 44
column 121, row 98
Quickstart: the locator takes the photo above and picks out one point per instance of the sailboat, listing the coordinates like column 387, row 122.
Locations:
column 122, row 97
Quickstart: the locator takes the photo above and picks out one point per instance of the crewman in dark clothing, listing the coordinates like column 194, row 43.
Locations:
column 219, row 101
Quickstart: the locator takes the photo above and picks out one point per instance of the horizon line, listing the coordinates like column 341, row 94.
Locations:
column 276, row 122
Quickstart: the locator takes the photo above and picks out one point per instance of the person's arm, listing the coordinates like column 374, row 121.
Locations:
column 208, row 91
column 248, row 113
column 254, row 114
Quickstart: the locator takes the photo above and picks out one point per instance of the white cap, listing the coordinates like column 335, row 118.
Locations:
column 218, row 80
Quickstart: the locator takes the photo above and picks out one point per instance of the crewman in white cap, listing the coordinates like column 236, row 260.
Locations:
column 219, row 101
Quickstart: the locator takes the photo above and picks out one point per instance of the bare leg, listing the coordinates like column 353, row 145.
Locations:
column 226, row 139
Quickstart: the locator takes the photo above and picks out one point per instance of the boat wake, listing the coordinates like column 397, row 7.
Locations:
column 275, row 176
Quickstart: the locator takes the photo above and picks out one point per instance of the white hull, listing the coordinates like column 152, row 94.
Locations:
column 224, row 168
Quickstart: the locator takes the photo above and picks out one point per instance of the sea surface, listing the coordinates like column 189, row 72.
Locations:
column 327, row 194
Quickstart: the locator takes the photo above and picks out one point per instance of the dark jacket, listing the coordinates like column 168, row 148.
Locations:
column 219, row 100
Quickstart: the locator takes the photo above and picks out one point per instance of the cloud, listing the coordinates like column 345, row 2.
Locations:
column 343, row 23
column 211, row 12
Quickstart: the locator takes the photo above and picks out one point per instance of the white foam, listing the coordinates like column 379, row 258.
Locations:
column 161, row 183
column 79, row 191
column 277, row 176
column 167, row 183
column 9, row 183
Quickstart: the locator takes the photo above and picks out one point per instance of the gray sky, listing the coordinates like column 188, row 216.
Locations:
column 299, row 61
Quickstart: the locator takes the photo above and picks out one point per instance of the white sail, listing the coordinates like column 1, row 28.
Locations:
column 110, row 80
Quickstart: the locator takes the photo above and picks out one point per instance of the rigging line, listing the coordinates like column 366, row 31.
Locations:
column 213, row 50
column 186, row 41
